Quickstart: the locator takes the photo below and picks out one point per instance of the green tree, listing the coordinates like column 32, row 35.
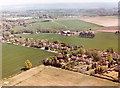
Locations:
column 103, row 69
column 81, row 51
column 109, row 57
column 21, row 41
column 97, row 56
column 89, row 53
column 28, row 64
column 88, row 68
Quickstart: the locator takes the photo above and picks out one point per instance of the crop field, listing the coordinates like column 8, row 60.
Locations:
column 59, row 24
column 70, row 23
column 48, row 75
column 102, row 40
column 14, row 57
column 78, row 24
column 102, row 20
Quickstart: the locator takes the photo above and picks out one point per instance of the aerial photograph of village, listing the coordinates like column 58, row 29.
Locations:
column 59, row 43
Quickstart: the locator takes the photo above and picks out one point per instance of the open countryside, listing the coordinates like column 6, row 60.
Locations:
column 77, row 46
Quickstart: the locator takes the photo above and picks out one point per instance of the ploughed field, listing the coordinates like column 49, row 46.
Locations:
column 52, row 76
column 101, row 40
column 102, row 20
column 14, row 57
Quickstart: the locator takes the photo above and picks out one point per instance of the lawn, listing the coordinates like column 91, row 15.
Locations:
column 13, row 58
column 101, row 40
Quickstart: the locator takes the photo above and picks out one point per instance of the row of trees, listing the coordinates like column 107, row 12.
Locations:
column 87, row 35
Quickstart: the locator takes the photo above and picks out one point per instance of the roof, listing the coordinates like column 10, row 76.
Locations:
column 105, row 62
column 81, row 59
column 73, row 57
column 117, row 68
column 60, row 56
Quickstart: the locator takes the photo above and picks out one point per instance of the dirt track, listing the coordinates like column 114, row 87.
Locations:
column 106, row 30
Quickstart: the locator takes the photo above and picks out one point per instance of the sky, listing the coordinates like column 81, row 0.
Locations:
column 18, row 2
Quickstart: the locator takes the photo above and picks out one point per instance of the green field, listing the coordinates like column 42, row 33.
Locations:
column 59, row 24
column 13, row 58
column 71, row 24
column 101, row 40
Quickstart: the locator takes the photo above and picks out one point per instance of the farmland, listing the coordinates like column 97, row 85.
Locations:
column 58, row 25
column 51, row 76
column 101, row 41
column 14, row 57
column 102, row 20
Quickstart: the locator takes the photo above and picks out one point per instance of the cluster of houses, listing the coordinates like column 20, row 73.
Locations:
column 85, row 64
column 44, row 44
column 4, row 26
column 21, row 23
column 89, row 60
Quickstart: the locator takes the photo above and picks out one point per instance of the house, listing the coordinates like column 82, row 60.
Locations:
column 73, row 57
column 105, row 63
column 51, row 45
column 104, row 54
column 43, row 41
column 81, row 59
column 64, row 48
column 117, row 69
column 44, row 44
column 56, row 46
column 88, row 62
column 60, row 56
column 115, row 55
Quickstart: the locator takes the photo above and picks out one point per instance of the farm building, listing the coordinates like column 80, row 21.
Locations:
column 66, row 33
